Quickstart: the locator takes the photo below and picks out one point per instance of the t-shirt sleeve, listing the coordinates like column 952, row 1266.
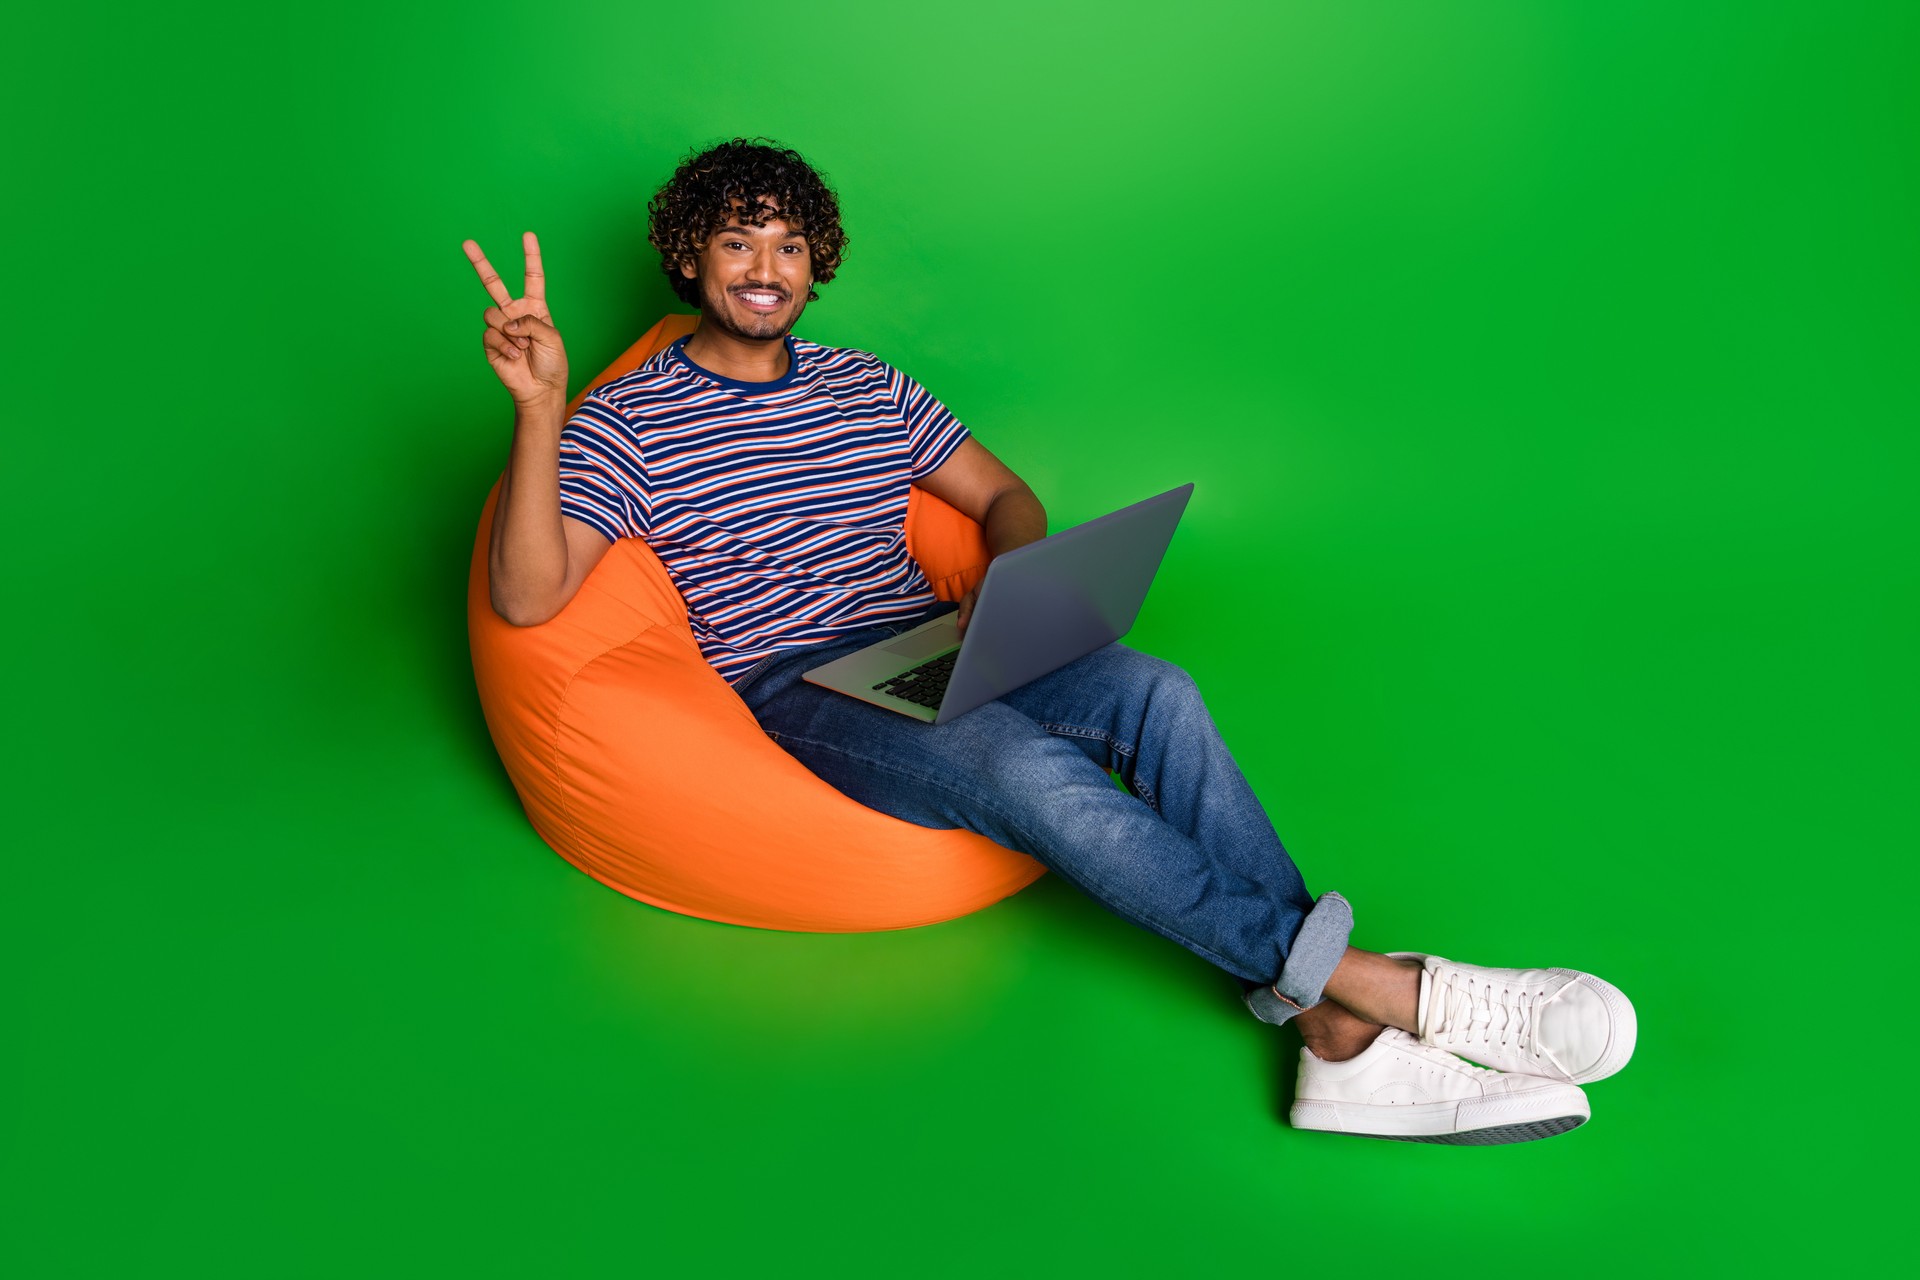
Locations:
column 603, row 479
column 933, row 433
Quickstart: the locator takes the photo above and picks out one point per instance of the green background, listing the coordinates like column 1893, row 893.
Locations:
column 1546, row 375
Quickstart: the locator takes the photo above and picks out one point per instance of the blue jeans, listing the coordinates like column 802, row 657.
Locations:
column 1186, row 851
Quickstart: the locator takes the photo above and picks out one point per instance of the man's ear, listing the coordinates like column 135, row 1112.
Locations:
column 689, row 269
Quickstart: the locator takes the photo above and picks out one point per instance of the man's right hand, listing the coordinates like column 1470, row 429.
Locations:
column 522, row 344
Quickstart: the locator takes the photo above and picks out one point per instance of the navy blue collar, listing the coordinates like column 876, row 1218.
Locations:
column 679, row 350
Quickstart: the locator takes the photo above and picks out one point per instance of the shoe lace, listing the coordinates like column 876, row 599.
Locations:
column 1433, row 1054
column 1473, row 1011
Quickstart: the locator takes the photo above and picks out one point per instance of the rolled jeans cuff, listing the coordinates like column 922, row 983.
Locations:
column 1316, row 952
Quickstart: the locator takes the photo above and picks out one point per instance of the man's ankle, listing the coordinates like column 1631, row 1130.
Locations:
column 1333, row 1034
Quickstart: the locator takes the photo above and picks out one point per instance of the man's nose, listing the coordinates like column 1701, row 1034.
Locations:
column 766, row 267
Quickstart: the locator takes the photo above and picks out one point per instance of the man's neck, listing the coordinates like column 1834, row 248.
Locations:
column 742, row 359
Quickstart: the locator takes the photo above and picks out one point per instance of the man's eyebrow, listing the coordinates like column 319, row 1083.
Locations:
column 734, row 226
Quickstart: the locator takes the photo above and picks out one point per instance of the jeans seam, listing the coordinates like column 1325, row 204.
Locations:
column 746, row 678
column 1077, row 731
column 1125, row 751
column 1105, row 899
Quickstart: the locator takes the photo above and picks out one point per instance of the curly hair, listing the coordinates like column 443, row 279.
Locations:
column 700, row 197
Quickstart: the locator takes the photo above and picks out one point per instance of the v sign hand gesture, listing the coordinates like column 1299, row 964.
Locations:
column 522, row 345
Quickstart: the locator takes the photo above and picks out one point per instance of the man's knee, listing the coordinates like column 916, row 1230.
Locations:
column 1170, row 689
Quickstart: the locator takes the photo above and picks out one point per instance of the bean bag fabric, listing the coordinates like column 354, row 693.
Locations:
column 639, row 765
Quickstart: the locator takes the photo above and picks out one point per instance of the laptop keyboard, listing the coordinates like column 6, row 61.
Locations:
column 925, row 684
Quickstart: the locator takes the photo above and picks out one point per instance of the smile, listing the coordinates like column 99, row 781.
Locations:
column 759, row 299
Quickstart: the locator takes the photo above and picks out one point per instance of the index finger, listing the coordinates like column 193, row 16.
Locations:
column 536, row 287
column 496, row 287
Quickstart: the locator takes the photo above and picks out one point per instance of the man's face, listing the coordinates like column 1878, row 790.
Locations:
column 753, row 280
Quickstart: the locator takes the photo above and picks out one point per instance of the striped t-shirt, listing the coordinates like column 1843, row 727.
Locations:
column 779, row 508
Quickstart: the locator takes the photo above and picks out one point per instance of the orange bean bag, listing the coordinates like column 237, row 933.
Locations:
column 639, row 765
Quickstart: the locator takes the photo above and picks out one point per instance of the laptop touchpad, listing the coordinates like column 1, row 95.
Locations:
column 926, row 644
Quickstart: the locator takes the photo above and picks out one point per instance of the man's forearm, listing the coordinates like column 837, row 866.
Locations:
column 527, row 557
column 1014, row 518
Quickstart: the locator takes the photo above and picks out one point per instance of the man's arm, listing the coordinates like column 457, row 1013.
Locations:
column 985, row 490
column 537, row 558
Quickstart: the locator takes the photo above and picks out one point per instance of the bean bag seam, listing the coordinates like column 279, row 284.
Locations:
column 559, row 722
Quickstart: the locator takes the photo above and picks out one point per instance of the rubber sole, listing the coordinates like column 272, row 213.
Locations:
column 1493, row 1137
column 1477, row 1122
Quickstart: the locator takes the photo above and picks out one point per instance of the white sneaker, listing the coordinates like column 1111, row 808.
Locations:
column 1400, row 1089
column 1558, row 1023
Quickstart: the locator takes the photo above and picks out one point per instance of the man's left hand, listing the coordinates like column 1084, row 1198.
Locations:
column 966, row 609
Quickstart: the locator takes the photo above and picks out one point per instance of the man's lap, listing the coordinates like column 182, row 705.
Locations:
column 872, row 753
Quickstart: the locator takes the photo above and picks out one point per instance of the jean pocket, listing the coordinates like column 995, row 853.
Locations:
column 755, row 671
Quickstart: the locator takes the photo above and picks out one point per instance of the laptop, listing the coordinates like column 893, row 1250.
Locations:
column 1040, row 607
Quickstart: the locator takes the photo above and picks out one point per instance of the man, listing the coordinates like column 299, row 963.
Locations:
column 771, row 474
